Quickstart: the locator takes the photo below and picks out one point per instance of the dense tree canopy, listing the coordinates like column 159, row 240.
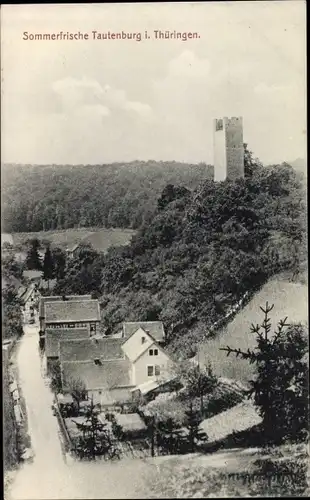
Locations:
column 201, row 246
column 11, row 314
column 200, row 254
column 39, row 198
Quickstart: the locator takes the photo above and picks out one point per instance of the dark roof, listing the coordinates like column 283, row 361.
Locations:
column 90, row 349
column 66, row 311
column 53, row 336
column 154, row 328
column 112, row 373
column 54, row 298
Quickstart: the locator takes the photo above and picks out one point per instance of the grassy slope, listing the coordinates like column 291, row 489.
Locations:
column 232, row 473
column 101, row 239
column 289, row 299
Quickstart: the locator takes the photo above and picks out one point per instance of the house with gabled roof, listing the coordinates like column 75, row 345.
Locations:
column 72, row 250
column 54, row 335
column 100, row 364
column 90, row 349
column 28, row 298
column 68, row 319
column 153, row 328
column 72, row 312
column 112, row 367
column 56, row 298
column 143, row 347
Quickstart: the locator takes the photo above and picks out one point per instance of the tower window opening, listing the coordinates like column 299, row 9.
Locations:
column 219, row 125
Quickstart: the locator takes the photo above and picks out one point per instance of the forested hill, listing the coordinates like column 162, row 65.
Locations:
column 36, row 198
column 200, row 254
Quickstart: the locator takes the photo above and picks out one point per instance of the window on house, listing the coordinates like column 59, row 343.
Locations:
column 155, row 352
column 157, row 370
column 142, row 340
column 151, row 352
column 150, row 371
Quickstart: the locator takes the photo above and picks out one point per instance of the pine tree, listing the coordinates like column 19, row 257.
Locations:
column 33, row 260
column 59, row 258
column 96, row 438
column 193, row 421
column 280, row 388
column 48, row 266
column 169, row 436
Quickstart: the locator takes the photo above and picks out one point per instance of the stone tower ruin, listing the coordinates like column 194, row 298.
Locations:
column 228, row 148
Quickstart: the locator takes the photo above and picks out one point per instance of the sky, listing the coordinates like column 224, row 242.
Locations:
column 100, row 101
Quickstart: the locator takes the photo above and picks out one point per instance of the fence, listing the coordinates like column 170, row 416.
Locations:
column 69, row 446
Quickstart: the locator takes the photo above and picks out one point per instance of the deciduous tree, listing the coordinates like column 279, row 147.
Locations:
column 77, row 389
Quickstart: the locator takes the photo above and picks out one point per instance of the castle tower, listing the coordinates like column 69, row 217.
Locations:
column 228, row 148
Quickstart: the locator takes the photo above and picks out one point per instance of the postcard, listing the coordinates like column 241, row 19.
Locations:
column 154, row 255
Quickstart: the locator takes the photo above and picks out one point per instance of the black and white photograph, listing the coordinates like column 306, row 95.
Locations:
column 154, row 259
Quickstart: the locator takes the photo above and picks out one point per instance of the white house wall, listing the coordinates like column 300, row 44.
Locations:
column 141, row 364
column 134, row 346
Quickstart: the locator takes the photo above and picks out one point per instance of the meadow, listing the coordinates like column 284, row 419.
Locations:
column 100, row 238
column 275, row 472
column 290, row 300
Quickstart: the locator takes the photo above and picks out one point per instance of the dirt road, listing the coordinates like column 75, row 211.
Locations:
column 52, row 474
